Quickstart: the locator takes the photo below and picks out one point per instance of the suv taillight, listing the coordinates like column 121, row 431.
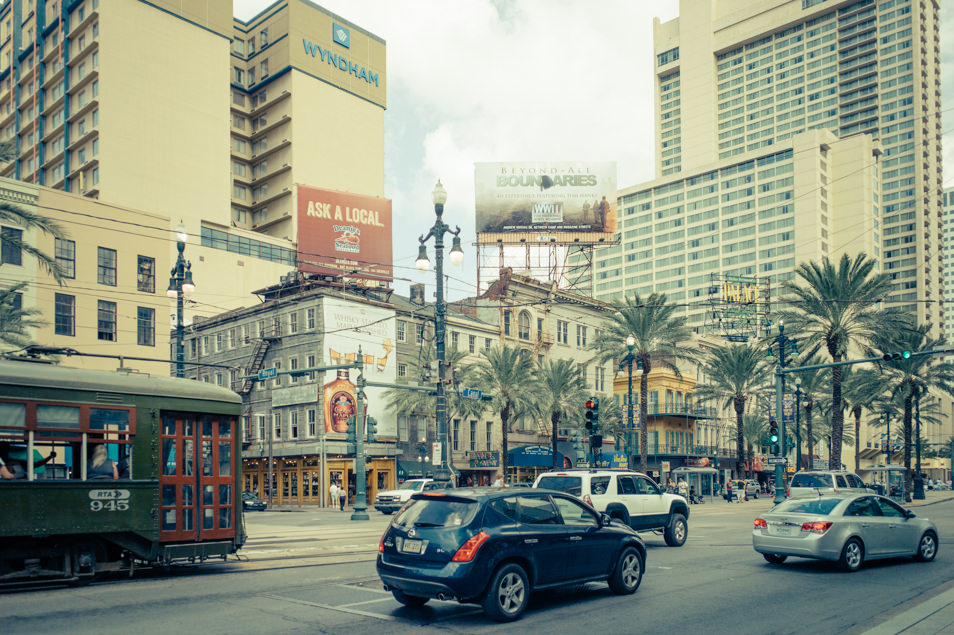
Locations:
column 588, row 500
column 469, row 549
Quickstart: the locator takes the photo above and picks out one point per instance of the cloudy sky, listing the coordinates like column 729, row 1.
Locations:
column 517, row 80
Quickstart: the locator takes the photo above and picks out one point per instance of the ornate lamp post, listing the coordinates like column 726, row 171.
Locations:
column 180, row 281
column 422, row 450
column 630, row 427
column 798, row 423
column 456, row 255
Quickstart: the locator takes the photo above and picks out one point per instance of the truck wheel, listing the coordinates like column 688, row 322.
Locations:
column 677, row 531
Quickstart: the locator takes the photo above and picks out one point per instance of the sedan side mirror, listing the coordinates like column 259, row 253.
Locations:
column 909, row 514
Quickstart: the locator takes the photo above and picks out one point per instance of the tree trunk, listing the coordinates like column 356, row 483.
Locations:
column 643, row 414
column 837, row 416
column 739, row 441
column 857, row 412
column 908, row 480
column 809, row 437
column 504, row 425
column 554, row 425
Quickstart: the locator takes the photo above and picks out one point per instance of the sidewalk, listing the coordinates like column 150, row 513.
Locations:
column 931, row 616
column 765, row 503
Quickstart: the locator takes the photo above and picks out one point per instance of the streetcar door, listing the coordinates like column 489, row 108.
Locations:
column 196, row 481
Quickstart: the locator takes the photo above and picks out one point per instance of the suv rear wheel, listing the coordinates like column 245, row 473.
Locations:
column 628, row 573
column 677, row 531
column 508, row 593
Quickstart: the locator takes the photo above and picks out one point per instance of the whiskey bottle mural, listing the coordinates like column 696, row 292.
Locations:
column 340, row 403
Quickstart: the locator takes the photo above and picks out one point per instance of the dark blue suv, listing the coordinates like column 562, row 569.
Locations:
column 494, row 546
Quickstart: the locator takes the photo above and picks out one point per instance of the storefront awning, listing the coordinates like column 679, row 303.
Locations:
column 533, row 456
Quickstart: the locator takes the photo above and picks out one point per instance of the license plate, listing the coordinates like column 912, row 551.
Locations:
column 784, row 530
column 413, row 546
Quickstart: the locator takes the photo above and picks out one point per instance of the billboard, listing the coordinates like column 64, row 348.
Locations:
column 344, row 234
column 530, row 197
column 347, row 326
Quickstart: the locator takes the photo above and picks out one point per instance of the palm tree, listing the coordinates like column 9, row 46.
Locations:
column 22, row 217
column 915, row 377
column 506, row 373
column 734, row 375
column 836, row 309
column 559, row 393
column 754, row 428
column 661, row 338
column 860, row 388
column 15, row 320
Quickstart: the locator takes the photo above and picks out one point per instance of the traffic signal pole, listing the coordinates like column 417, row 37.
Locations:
column 779, row 413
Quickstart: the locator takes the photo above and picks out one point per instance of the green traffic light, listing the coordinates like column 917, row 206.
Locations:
column 906, row 354
column 774, row 438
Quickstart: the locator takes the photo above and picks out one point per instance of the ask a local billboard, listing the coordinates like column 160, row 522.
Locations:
column 549, row 197
column 344, row 234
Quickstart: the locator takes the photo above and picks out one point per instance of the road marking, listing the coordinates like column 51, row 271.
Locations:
column 340, row 609
column 366, row 602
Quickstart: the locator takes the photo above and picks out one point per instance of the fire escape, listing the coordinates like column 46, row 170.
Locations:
column 263, row 343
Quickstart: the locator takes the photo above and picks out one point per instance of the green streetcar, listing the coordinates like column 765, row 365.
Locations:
column 113, row 470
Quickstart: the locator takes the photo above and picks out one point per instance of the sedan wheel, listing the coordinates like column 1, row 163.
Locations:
column 927, row 547
column 852, row 555
column 628, row 573
column 774, row 558
column 507, row 596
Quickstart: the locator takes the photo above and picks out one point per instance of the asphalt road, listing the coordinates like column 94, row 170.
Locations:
column 313, row 572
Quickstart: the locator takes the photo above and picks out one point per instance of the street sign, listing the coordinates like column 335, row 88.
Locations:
column 777, row 461
column 664, row 466
column 470, row 393
column 436, row 455
column 268, row 373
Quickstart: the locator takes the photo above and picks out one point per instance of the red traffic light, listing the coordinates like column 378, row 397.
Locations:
column 590, row 403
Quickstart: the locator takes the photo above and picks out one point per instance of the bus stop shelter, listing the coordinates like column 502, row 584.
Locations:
column 701, row 480
column 889, row 479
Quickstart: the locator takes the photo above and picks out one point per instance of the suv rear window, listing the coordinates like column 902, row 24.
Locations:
column 435, row 512
column 811, row 480
column 569, row 484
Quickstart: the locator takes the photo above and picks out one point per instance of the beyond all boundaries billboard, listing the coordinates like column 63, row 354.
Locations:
column 344, row 234
column 560, row 197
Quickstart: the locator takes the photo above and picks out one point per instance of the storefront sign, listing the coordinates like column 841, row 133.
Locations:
column 484, row 458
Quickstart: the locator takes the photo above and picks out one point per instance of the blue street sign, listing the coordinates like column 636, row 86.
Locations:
column 470, row 393
column 268, row 373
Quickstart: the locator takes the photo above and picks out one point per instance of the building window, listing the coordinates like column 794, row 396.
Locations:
column 106, row 267
column 401, row 327
column 487, row 342
column 472, row 343
column 65, row 314
column 539, row 329
column 600, row 384
column 490, row 435
column 278, row 379
column 506, row 322
column 10, row 252
column 238, row 75
column 260, row 419
column 293, row 322
column 293, row 365
column 106, row 321
column 402, row 370
column 310, row 319
column 65, row 252
column 456, row 439
column 473, row 436
column 293, row 425
column 312, row 421
column 231, row 339
column 146, row 276
column 146, row 326
column 563, row 329
column 276, row 425
column 455, row 340
column 580, row 336
column 263, row 39
column 311, row 364
column 523, row 325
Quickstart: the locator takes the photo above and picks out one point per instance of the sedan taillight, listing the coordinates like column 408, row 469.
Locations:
column 760, row 523
column 469, row 549
column 817, row 527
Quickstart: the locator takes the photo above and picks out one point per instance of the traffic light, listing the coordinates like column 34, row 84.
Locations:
column 350, row 432
column 372, row 430
column 893, row 357
column 596, row 441
column 773, row 431
column 592, row 415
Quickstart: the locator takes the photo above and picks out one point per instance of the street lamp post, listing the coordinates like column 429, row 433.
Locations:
column 456, row 255
column 781, row 340
column 630, row 427
column 423, row 452
column 918, row 481
column 798, row 423
column 180, row 283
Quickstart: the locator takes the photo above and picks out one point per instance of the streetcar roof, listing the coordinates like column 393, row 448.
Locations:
column 43, row 375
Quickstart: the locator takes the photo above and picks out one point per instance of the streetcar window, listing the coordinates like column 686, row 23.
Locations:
column 12, row 415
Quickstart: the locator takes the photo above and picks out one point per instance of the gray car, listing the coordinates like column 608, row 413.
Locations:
column 818, row 483
column 845, row 529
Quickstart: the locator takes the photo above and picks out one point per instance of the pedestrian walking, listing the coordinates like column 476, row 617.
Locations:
column 333, row 495
column 342, row 496
column 683, row 488
column 499, row 481
column 728, row 491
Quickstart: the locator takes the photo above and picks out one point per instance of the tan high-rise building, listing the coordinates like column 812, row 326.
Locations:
column 176, row 108
column 740, row 76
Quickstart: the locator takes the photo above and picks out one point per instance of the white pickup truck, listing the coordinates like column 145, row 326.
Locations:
column 392, row 500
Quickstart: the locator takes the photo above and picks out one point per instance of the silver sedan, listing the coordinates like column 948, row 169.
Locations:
column 845, row 529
